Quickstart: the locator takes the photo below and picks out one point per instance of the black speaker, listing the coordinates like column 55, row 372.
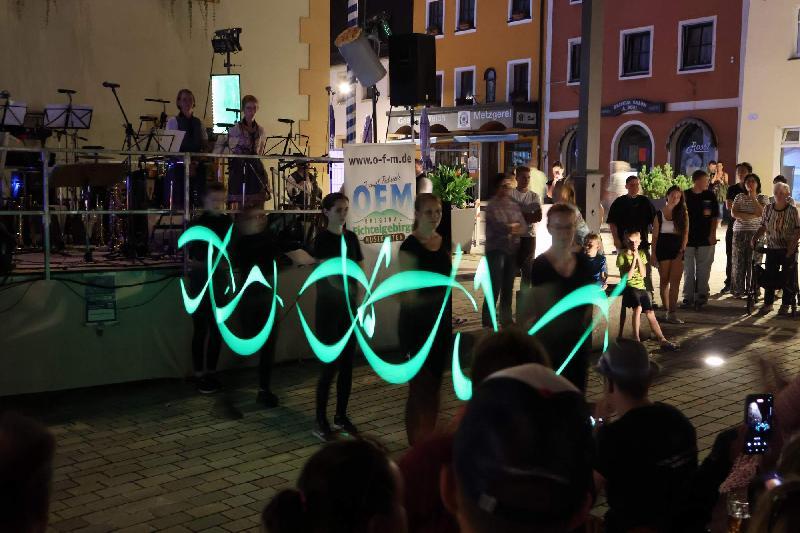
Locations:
column 412, row 69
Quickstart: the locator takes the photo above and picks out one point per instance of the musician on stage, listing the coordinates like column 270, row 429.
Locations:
column 195, row 140
column 302, row 188
column 247, row 179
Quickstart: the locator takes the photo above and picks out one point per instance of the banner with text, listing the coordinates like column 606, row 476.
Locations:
column 380, row 181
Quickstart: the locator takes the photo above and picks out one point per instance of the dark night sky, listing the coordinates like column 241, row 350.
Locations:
column 400, row 13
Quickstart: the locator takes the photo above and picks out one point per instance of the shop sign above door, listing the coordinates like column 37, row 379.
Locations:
column 632, row 104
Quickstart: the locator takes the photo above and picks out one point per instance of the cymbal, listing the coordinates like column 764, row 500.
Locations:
column 83, row 174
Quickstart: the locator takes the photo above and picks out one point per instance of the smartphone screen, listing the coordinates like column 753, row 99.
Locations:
column 758, row 418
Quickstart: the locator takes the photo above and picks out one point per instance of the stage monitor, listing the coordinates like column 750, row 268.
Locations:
column 224, row 95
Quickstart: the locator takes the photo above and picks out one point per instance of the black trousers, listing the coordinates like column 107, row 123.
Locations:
column 502, row 270
column 728, row 253
column 332, row 323
column 781, row 271
column 255, row 310
column 527, row 247
column 344, row 382
column 206, row 339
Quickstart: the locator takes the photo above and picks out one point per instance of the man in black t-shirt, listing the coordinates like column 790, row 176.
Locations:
column 703, row 211
column 647, row 456
column 742, row 170
column 629, row 213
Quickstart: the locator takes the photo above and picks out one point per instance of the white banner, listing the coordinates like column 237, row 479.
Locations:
column 380, row 181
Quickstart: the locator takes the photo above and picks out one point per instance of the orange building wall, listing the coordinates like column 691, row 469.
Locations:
column 492, row 44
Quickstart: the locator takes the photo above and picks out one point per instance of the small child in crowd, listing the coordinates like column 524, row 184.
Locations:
column 632, row 262
column 591, row 247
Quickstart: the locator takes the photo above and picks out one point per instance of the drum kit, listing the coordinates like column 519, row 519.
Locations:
column 84, row 185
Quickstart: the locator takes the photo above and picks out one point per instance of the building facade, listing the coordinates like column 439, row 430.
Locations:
column 339, row 90
column 488, row 65
column 671, row 83
column 769, row 128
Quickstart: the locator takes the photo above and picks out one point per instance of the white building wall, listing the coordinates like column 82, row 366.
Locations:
column 771, row 84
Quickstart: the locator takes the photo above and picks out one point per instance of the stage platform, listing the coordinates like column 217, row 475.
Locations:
column 72, row 259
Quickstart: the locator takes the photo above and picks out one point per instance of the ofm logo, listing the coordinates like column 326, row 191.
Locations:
column 381, row 196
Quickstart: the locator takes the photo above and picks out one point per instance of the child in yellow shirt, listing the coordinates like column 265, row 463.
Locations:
column 632, row 262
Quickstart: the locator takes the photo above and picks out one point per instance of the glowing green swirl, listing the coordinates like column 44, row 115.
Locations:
column 363, row 321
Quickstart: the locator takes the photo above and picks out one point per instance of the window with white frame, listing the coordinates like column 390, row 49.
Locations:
column 464, row 85
column 574, row 61
column 434, row 22
column 520, row 10
column 575, row 1
column 465, row 15
column 636, row 56
column 696, row 43
column 518, row 88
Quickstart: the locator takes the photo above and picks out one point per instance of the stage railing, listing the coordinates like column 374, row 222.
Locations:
column 135, row 158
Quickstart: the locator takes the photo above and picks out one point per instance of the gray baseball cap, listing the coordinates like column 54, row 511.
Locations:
column 628, row 361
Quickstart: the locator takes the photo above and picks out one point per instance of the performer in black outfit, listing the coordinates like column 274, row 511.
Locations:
column 255, row 246
column 554, row 274
column 333, row 317
column 195, row 140
column 206, row 339
column 425, row 249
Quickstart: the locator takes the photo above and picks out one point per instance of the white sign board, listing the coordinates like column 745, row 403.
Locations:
column 380, row 181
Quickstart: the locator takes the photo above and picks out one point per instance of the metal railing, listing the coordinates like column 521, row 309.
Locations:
column 46, row 210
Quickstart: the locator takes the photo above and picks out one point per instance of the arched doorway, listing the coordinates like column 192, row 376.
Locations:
column 634, row 144
column 691, row 146
column 568, row 150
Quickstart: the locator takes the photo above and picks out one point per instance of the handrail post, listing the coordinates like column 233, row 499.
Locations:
column 46, row 208
column 187, row 209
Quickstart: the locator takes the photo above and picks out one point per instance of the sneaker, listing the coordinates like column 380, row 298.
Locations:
column 784, row 310
column 672, row 318
column 669, row 345
column 207, row 385
column 765, row 309
column 724, row 289
column 267, row 399
column 687, row 305
column 323, row 431
column 343, row 423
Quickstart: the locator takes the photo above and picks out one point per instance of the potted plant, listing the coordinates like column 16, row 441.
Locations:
column 657, row 180
column 519, row 15
column 434, row 30
column 450, row 184
column 464, row 25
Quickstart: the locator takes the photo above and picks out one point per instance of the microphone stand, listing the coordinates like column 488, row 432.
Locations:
column 128, row 146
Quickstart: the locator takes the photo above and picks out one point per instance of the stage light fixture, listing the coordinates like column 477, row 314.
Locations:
column 226, row 41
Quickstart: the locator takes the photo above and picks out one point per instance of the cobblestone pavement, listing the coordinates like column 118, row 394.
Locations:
column 158, row 457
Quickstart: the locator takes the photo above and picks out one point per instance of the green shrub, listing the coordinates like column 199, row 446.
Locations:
column 451, row 183
column 657, row 180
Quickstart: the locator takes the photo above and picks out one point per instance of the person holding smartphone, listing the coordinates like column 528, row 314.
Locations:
column 645, row 451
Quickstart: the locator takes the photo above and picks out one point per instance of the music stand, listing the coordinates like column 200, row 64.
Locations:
column 13, row 114
column 64, row 117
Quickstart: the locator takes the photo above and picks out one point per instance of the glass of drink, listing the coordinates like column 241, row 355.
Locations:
column 738, row 512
